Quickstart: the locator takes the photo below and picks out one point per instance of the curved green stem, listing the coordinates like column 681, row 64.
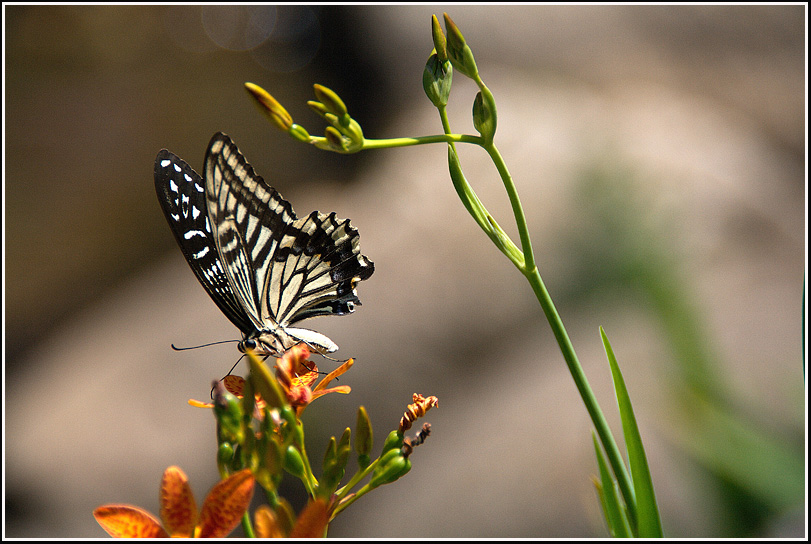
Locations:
column 529, row 269
column 515, row 202
column 583, row 387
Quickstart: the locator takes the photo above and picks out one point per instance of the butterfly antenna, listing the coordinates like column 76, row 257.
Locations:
column 174, row 347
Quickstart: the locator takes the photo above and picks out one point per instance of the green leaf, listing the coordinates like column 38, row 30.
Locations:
column 648, row 522
column 615, row 515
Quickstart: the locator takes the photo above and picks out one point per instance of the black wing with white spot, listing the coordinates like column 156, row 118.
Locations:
column 181, row 193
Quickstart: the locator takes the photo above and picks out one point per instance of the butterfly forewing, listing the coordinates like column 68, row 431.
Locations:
column 181, row 193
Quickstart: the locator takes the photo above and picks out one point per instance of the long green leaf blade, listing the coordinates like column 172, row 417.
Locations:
column 615, row 515
column 648, row 522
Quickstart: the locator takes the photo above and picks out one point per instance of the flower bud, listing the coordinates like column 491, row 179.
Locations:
column 391, row 467
column 299, row 133
column 228, row 411
column 436, row 80
column 484, row 114
column 331, row 101
column 293, row 463
column 364, row 438
column 393, row 441
column 269, row 472
column 264, row 383
column 225, row 454
column 334, row 138
column 459, row 53
column 319, row 108
column 440, row 43
column 270, row 107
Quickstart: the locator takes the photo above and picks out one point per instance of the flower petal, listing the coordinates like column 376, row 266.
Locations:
column 266, row 523
column 234, row 384
column 312, row 522
column 334, row 374
column 225, row 505
column 125, row 521
column 345, row 389
column 178, row 509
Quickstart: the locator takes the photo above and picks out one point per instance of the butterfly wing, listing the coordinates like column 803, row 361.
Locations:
column 181, row 193
column 283, row 268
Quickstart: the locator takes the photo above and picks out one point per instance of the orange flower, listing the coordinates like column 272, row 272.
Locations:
column 222, row 510
column 312, row 522
column 297, row 375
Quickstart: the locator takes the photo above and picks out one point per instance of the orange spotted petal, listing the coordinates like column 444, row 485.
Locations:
column 225, row 505
column 312, row 522
column 125, row 521
column 178, row 509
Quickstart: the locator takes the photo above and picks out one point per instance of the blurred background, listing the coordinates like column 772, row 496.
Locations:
column 659, row 152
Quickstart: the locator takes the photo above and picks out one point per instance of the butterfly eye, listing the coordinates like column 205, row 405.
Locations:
column 250, row 343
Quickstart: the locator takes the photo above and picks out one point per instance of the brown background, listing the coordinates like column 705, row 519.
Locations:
column 659, row 153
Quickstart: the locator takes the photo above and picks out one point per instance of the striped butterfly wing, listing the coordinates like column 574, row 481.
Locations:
column 281, row 269
column 181, row 193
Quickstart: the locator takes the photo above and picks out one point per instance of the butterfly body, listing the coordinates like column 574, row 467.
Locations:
column 265, row 268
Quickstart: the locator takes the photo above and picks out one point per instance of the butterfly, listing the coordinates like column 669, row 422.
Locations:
column 264, row 268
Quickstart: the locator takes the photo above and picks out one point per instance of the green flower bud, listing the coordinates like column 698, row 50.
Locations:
column 391, row 467
column 299, row 133
column 459, row 53
column 436, row 80
column 440, row 43
column 318, row 108
column 248, row 400
column 355, row 134
column 228, row 412
column 270, row 464
column 344, row 448
column 484, row 114
column 334, row 139
column 293, row 462
column 334, row 464
column 331, row 101
column 265, row 383
column 330, row 454
column 364, row 438
column 393, row 441
column 225, row 454
column 270, row 107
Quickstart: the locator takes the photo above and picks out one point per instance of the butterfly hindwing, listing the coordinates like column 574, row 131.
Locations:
column 304, row 266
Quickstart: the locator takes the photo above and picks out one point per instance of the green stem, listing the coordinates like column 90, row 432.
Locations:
column 405, row 142
column 515, row 202
column 342, row 492
column 583, row 387
column 530, row 271
column 344, row 505
column 247, row 527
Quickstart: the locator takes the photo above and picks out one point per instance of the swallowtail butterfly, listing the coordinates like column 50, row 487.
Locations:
column 263, row 267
